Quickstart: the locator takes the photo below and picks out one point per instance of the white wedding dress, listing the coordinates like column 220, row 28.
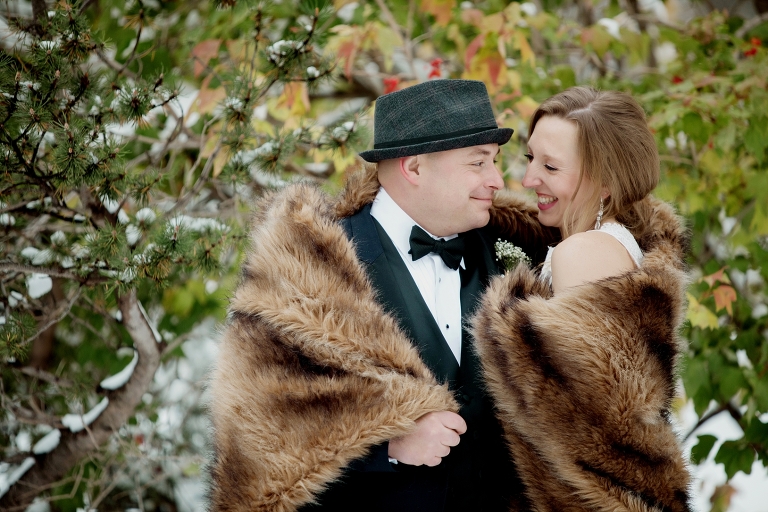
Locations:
column 614, row 229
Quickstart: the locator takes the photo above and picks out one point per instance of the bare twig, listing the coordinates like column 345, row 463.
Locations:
column 752, row 23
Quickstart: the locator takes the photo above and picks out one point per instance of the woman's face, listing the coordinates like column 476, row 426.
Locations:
column 554, row 165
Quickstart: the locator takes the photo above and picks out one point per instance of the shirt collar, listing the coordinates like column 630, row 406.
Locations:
column 397, row 223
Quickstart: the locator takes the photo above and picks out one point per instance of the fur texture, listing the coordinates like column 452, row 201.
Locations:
column 584, row 381
column 311, row 371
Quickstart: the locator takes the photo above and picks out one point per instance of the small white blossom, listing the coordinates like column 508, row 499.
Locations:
column 510, row 255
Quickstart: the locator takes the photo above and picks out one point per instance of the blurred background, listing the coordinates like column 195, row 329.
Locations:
column 135, row 136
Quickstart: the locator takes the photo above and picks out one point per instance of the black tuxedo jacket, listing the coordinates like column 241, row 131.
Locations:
column 478, row 473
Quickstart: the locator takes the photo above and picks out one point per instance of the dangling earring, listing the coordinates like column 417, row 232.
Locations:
column 599, row 215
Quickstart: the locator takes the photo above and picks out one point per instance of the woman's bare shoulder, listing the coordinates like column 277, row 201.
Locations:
column 587, row 257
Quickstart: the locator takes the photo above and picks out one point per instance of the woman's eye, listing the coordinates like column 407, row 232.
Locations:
column 549, row 167
column 529, row 157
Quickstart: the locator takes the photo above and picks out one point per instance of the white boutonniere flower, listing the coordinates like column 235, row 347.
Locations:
column 510, row 255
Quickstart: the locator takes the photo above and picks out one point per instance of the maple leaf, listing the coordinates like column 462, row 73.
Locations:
column 718, row 277
column 203, row 52
column 724, row 297
column 440, row 9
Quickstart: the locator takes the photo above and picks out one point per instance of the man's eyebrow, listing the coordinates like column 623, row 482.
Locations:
column 482, row 152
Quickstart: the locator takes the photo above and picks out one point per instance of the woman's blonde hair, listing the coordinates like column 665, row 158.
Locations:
column 617, row 151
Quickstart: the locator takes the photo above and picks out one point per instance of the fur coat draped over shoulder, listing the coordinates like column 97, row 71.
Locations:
column 584, row 381
column 312, row 372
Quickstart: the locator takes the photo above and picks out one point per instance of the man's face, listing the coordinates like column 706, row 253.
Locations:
column 456, row 188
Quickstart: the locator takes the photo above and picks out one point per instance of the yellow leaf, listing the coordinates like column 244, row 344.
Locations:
column 72, row 200
column 219, row 162
column 512, row 14
column 338, row 4
column 210, row 145
column 699, row 315
column 264, row 127
column 342, row 160
column 759, row 220
column 596, row 37
column 440, row 9
column 526, row 106
column 203, row 52
column 718, row 277
column 515, row 80
column 519, row 42
column 493, row 22
column 386, row 40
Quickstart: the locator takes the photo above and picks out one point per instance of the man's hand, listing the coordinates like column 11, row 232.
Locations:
column 435, row 433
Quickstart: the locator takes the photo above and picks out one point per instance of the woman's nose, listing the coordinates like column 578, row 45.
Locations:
column 530, row 179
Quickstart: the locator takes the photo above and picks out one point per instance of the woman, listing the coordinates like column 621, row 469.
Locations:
column 582, row 358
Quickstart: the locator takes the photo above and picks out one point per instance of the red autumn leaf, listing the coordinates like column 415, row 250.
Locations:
column 494, row 67
column 752, row 51
column 347, row 52
column 755, row 41
column 435, row 72
column 390, row 84
column 203, row 52
column 719, row 276
column 677, row 80
column 724, row 297
column 472, row 49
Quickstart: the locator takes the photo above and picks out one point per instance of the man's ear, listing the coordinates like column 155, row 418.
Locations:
column 409, row 169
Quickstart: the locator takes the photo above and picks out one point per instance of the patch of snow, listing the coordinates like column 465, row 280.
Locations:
column 158, row 338
column 48, row 442
column 77, row 422
column 132, row 233
column 119, row 379
column 23, row 441
column 261, row 112
column 347, row 12
column 611, row 26
column 14, row 298
column 37, row 256
column 38, row 285
column 146, row 216
column 529, row 8
column 59, row 238
column 122, row 217
column 198, row 224
column 312, row 72
column 110, row 204
column 211, row 286
column 7, row 219
column 8, row 478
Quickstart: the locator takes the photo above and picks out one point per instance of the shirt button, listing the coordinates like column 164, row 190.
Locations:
column 439, row 279
column 447, row 326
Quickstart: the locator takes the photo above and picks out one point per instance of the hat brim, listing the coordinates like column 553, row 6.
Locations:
column 498, row 135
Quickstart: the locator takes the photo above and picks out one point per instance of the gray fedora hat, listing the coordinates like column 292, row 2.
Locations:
column 433, row 116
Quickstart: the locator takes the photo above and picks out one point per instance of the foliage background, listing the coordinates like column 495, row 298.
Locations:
column 125, row 200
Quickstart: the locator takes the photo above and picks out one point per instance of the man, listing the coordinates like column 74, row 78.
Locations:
column 347, row 380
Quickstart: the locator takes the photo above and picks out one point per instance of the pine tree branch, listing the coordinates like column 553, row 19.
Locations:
column 73, row 447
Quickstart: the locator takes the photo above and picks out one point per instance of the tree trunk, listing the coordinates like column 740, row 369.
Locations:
column 73, row 447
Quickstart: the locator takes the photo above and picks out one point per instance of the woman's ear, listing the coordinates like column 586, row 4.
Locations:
column 605, row 193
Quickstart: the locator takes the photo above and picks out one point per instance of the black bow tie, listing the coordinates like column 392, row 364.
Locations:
column 451, row 251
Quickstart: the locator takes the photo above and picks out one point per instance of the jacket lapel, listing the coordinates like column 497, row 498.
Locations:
column 399, row 295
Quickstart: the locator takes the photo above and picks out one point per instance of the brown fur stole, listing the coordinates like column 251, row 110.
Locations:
column 311, row 371
column 584, row 381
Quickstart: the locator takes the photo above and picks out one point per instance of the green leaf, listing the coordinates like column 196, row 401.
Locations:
column 731, row 381
column 695, row 128
column 700, row 452
column 761, row 394
column 735, row 456
column 755, row 139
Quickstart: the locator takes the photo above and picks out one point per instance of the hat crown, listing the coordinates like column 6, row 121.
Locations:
column 432, row 111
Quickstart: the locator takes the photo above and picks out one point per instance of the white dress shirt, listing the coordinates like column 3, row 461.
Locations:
column 440, row 286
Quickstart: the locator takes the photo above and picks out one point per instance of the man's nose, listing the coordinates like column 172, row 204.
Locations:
column 496, row 182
